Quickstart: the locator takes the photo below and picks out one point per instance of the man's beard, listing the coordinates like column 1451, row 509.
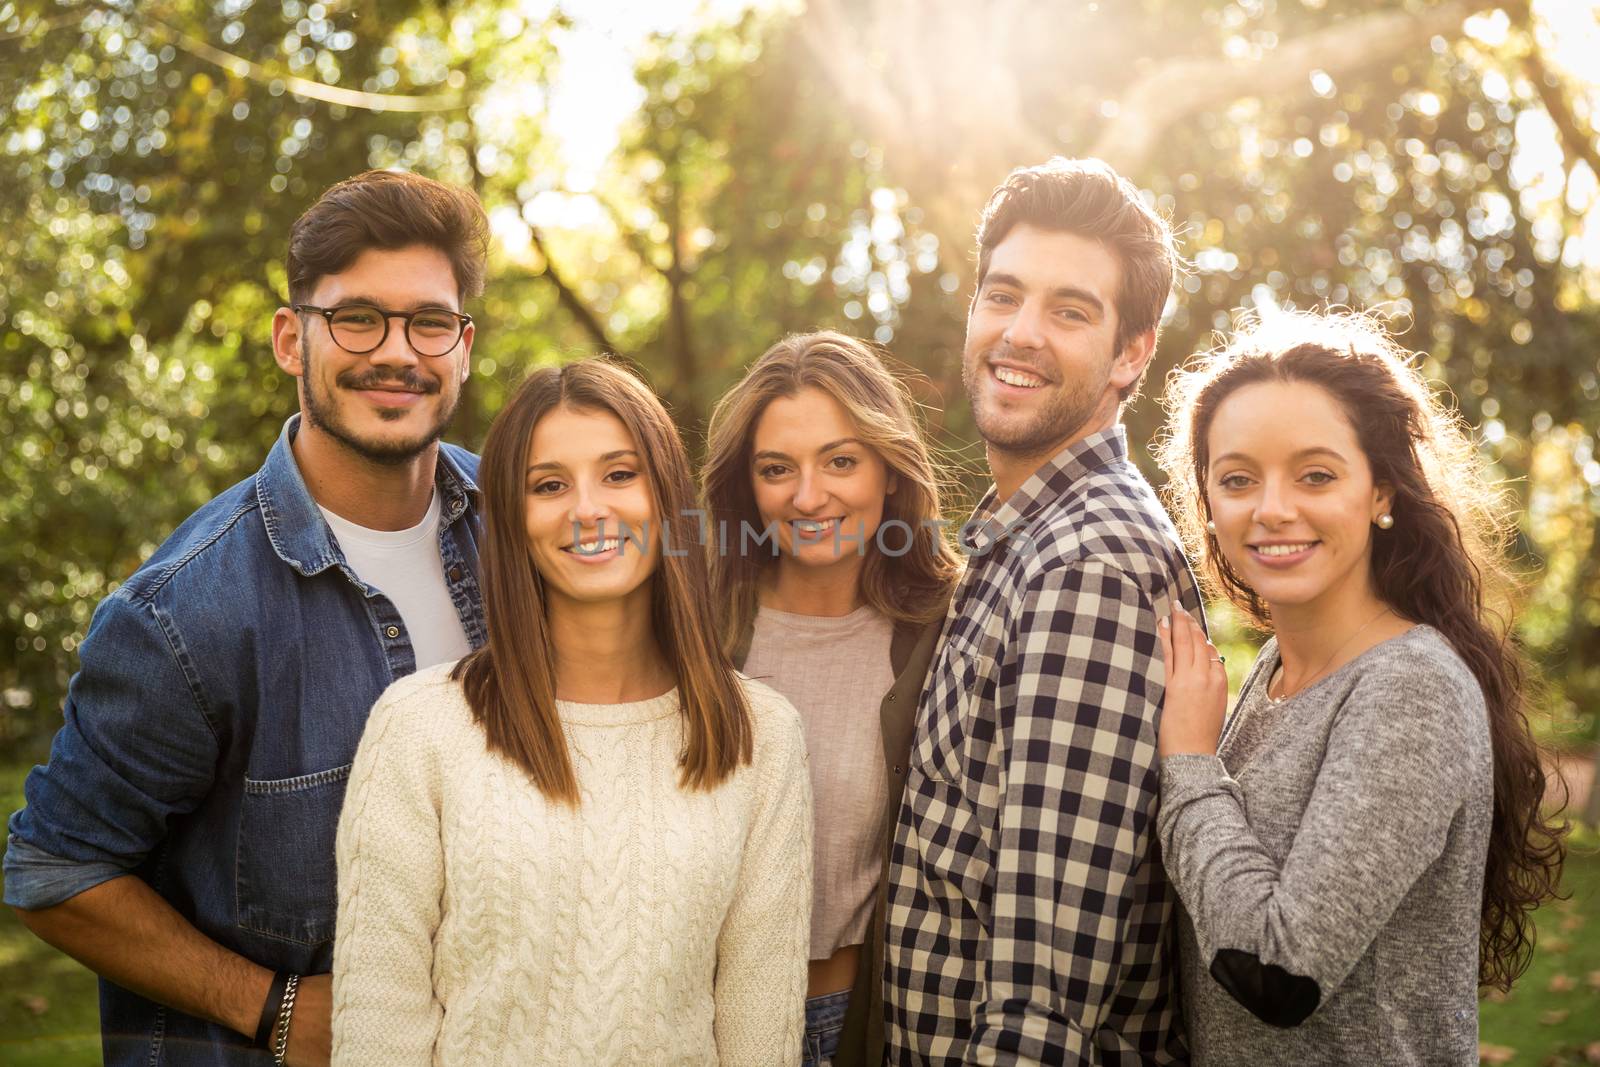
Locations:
column 1063, row 415
column 323, row 413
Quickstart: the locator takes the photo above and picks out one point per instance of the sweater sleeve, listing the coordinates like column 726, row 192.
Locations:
column 391, row 877
column 765, row 938
column 1282, row 938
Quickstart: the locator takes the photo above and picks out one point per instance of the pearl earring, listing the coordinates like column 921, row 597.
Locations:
column 1211, row 528
column 1386, row 521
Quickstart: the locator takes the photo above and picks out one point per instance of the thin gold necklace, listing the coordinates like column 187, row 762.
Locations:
column 1326, row 664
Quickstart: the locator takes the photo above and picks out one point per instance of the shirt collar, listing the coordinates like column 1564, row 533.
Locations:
column 295, row 527
column 993, row 519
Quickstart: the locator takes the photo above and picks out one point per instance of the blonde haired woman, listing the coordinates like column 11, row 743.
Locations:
column 588, row 842
column 829, row 563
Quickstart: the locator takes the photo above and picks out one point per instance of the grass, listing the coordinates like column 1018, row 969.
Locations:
column 1552, row 1016
column 49, row 1004
column 49, row 1014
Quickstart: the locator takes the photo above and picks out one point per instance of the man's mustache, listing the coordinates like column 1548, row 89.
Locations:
column 380, row 379
column 1005, row 352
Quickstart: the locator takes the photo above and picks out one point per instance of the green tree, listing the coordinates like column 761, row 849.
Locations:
column 1431, row 159
column 786, row 171
column 152, row 158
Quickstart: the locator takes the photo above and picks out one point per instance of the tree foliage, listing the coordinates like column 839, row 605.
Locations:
column 784, row 171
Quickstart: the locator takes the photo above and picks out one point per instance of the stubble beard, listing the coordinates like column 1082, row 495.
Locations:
column 1064, row 414
column 323, row 413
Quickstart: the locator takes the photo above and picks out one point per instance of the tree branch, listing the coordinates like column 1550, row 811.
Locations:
column 678, row 305
column 39, row 25
column 936, row 95
column 834, row 48
column 569, row 299
column 941, row 92
column 635, row 241
column 1577, row 140
column 1177, row 89
column 240, row 67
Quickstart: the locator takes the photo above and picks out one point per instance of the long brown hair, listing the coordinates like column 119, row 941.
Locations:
column 1443, row 563
column 510, row 682
column 909, row 587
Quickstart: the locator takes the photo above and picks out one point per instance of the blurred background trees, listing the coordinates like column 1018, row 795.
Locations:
column 757, row 169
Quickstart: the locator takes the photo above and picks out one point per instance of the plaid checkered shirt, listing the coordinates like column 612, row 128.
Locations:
column 1029, row 917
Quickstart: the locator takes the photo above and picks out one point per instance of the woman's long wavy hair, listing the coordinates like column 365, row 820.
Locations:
column 511, row 681
column 909, row 587
column 1443, row 563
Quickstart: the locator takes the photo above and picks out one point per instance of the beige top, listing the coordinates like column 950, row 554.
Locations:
column 481, row 924
column 836, row 671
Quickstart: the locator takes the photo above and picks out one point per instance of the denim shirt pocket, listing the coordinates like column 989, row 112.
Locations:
column 285, row 879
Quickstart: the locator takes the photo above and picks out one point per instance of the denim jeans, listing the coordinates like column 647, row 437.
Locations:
column 824, row 1022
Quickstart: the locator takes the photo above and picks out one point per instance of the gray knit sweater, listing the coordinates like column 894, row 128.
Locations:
column 1330, row 861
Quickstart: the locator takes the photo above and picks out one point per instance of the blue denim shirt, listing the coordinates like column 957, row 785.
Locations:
column 210, row 729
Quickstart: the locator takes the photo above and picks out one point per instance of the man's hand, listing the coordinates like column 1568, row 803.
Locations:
column 311, row 1023
column 1196, row 690
column 125, row 932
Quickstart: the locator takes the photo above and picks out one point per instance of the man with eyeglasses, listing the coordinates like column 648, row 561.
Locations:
column 180, row 841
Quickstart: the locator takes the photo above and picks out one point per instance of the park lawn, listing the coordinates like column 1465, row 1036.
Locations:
column 49, row 1005
column 1552, row 1016
column 49, row 1014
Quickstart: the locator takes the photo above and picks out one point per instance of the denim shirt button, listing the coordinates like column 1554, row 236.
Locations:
column 454, row 574
column 393, row 631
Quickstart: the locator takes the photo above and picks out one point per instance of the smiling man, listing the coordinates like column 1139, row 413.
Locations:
column 180, row 840
column 1029, row 920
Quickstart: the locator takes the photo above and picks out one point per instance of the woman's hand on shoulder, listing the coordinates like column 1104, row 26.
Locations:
column 1196, row 689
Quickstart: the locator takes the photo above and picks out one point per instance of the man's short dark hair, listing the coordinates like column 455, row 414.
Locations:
column 388, row 209
column 1088, row 198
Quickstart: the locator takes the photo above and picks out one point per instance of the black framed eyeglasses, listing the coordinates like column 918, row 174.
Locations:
column 362, row 328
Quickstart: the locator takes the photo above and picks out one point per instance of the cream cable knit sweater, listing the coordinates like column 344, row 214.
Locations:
column 480, row 924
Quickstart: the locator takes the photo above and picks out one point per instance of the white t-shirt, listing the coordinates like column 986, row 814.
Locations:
column 404, row 565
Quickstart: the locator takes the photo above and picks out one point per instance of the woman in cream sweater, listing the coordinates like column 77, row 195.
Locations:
column 590, row 840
